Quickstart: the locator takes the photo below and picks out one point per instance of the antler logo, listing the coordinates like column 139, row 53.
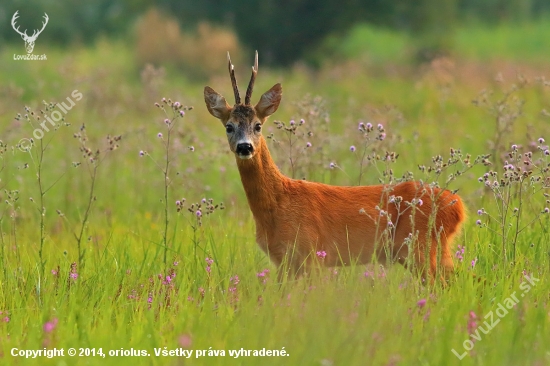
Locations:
column 29, row 40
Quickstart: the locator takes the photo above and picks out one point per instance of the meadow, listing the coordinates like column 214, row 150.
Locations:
column 125, row 228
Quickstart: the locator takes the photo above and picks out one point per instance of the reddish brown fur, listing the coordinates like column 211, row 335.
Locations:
column 296, row 218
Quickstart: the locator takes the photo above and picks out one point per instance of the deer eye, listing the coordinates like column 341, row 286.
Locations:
column 258, row 127
column 229, row 128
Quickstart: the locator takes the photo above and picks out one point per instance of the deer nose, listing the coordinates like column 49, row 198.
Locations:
column 244, row 148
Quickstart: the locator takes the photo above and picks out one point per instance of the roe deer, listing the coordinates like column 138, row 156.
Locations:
column 296, row 218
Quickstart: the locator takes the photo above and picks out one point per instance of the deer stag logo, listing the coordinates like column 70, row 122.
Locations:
column 29, row 40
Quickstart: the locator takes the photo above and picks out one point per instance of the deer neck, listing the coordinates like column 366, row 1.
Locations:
column 263, row 183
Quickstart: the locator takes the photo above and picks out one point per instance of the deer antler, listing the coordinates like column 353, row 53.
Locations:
column 252, row 79
column 35, row 34
column 233, row 80
column 13, row 19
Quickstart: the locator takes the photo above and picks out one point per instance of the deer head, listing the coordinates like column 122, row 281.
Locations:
column 29, row 40
column 243, row 122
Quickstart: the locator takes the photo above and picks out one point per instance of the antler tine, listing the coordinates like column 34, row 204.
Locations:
column 233, row 80
column 252, row 79
column 13, row 21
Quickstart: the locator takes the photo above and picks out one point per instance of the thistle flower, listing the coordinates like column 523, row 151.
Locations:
column 308, row 144
column 159, row 135
column 541, row 140
column 352, row 148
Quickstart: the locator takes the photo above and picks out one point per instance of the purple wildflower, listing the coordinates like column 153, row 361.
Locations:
column 321, row 254
column 352, row 148
column 421, row 303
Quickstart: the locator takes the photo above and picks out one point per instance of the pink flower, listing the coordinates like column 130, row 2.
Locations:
column 421, row 303
column 235, row 280
column 185, row 341
column 50, row 326
column 321, row 254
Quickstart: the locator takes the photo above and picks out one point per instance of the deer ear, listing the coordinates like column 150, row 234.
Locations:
column 269, row 102
column 216, row 104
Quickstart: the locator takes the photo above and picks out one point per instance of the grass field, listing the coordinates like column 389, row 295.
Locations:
column 110, row 264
